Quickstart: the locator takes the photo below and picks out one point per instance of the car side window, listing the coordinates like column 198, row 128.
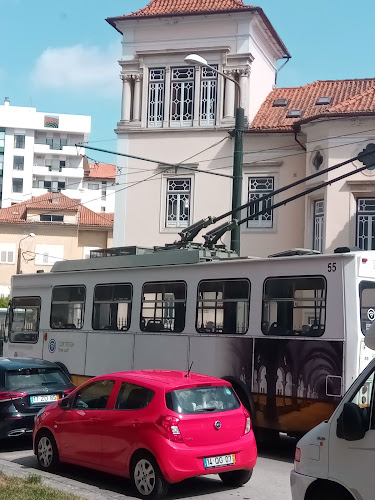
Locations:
column 94, row 396
column 133, row 397
column 364, row 398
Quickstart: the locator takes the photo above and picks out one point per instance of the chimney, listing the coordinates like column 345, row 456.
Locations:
column 55, row 197
column 6, row 101
column 86, row 167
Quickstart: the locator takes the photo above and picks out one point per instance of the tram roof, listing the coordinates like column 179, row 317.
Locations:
column 131, row 257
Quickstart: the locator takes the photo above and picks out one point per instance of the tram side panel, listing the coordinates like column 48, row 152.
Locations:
column 296, row 383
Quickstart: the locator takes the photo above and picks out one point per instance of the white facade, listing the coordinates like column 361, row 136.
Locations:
column 99, row 194
column 171, row 111
column 164, row 117
column 38, row 154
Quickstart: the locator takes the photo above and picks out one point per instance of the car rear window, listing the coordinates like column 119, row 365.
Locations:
column 202, row 399
column 27, row 378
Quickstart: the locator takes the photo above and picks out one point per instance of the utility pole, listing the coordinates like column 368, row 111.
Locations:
column 235, row 239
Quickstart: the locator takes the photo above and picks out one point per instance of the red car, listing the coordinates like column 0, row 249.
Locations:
column 155, row 427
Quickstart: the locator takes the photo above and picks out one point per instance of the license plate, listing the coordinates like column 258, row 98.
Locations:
column 45, row 398
column 221, row 461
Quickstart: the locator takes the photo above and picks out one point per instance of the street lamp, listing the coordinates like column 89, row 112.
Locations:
column 18, row 269
column 235, row 244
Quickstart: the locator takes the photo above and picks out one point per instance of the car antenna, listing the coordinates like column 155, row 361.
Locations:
column 189, row 370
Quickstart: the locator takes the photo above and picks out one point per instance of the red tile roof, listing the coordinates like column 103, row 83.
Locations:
column 53, row 202
column 102, row 171
column 168, row 8
column 163, row 7
column 348, row 97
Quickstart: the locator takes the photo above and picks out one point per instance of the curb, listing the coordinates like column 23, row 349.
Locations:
column 60, row 483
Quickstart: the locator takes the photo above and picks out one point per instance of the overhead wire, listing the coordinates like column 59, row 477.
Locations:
column 134, row 183
column 288, row 146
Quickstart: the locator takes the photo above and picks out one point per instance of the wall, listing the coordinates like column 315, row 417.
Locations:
column 211, row 195
column 71, row 238
column 340, row 140
column 92, row 198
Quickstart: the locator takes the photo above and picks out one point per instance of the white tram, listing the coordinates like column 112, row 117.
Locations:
column 287, row 331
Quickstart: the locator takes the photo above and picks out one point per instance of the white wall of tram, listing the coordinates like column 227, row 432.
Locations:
column 91, row 352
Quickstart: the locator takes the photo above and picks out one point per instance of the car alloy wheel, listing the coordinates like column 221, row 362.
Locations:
column 147, row 477
column 144, row 477
column 45, row 452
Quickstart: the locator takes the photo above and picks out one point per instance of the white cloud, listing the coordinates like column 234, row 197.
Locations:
column 91, row 69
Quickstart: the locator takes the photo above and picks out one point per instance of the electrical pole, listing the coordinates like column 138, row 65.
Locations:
column 235, row 239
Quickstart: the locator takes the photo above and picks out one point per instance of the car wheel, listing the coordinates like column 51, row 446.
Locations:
column 236, row 477
column 147, row 478
column 46, row 451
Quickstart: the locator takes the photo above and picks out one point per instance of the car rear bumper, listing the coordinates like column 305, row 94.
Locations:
column 16, row 426
column 179, row 462
column 299, row 484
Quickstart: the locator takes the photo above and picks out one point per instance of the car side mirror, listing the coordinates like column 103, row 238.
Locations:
column 65, row 403
column 351, row 424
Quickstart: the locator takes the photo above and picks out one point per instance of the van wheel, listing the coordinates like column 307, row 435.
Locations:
column 327, row 491
column 147, row 477
column 46, row 451
column 236, row 478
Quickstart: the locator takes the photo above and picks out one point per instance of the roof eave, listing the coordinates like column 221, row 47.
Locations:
column 286, row 55
column 274, row 33
column 274, row 130
column 350, row 114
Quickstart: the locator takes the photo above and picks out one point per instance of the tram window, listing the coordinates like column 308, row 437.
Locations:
column 294, row 306
column 67, row 308
column 223, row 306
column 112, row 307
column 163, row 307
column 367, row 304
column 24, row 319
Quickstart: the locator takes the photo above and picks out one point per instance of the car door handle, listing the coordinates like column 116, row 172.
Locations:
column 94, row 419
column 135, row 423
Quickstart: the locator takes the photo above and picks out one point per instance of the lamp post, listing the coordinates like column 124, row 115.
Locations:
column 239, row 125
column 18, row 269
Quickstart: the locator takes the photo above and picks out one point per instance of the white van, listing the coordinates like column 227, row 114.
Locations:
column 335, row 460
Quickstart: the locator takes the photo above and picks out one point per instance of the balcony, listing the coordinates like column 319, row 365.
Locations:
column 52, row 171
column 58, row 149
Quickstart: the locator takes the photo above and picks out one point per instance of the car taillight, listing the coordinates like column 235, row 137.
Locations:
column 170, row 427
column 297, row 457
column 248, row 422
column 11, row 396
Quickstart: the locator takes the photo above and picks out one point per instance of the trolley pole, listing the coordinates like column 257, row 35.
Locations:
column 235, row 239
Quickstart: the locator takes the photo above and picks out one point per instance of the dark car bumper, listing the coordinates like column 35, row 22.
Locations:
column 16, row 426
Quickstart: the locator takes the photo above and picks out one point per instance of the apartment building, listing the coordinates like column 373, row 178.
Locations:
column 38, row 155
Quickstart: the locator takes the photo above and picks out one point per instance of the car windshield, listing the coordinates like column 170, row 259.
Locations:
column 27, row 378
column 202, row 399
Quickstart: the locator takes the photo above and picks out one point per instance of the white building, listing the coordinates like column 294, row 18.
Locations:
column 171, row 111
column 99, row 185
column 177, row 113
column 38, row 154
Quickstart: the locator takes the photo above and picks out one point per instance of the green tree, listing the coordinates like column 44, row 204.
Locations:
column 4, row 301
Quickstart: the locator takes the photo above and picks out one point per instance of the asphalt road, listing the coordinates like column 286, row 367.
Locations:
column 270, row 480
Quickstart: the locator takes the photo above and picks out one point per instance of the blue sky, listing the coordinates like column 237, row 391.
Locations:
column 62, row 57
